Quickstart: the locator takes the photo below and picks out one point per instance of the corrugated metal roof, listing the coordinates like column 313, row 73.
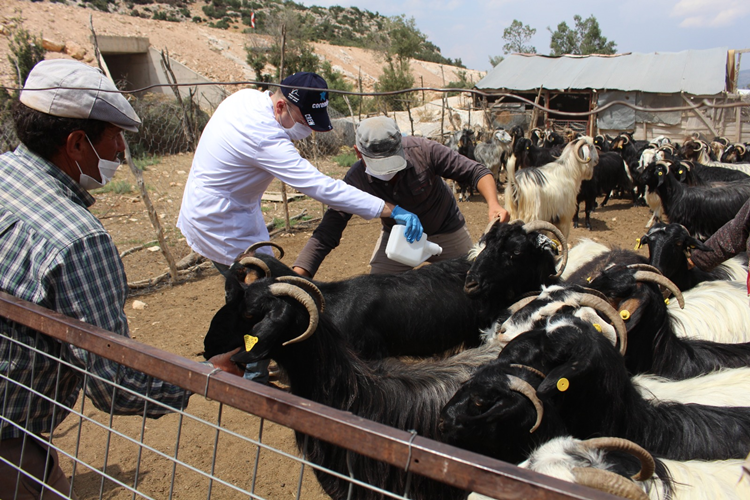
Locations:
column 699, row 72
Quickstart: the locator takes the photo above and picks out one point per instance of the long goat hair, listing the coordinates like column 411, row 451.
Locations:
column 549, row 192
column 322, row 367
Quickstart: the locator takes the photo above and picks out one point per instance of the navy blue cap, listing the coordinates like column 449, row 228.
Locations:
column 312, row 103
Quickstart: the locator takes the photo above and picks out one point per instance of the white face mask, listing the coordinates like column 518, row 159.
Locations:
column 298, row 131
column 107, row 169
column 382, row 177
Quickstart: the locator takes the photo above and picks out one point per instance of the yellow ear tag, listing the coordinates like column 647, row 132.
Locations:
column 679, row 172
column 625, row 314
column 666, row 301
column 250, row 342
column 598, row 327
column 660, row 173
column 588, row 279
column 637, row 244
column 563, row 384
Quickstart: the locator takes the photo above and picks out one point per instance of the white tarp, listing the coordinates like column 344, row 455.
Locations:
column 697, row 72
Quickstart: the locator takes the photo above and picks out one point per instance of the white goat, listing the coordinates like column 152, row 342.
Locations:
column 549, row 192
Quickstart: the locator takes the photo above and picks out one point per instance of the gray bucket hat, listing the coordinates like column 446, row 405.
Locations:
column 379, row 141
column 88, row 94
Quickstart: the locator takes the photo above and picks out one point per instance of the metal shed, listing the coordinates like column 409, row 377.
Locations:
column 579, row 84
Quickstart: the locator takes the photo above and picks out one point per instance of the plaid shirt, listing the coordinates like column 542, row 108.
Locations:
column 55, row 253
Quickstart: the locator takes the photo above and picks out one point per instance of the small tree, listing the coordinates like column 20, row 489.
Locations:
column 404, row 41
column 516, row 37
column 495, row 60
column 335, row 80
column 586, row 38
column 25, row 51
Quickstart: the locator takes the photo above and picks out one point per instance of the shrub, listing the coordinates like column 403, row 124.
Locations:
column 161, row 132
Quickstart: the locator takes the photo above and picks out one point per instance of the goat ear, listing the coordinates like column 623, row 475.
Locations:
column 233, row 289
column 561, row 378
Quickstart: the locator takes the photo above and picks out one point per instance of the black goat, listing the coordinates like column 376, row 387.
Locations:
column 424, row 311
column 669, row 247
column 587, row 392
column 283, row 322
column 653, row 346
column 512, row 259
column 701, row 209
column 603, row 143
column 609, row 174
column 466, row 146
column 421, row 312
column 527, row 154
column 696, row 174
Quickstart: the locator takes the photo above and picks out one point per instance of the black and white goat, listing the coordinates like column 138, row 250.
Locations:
column 549, row 192
column 582, row 389
column 701, row 209
column 284, row 322
column 669, row 247
column 572, row 460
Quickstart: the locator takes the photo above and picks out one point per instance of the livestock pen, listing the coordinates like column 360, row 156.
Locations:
column 226, row 444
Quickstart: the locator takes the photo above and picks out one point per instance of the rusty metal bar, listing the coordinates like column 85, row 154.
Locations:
column 442, row 462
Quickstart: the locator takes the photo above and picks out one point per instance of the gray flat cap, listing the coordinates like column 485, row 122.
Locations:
column 85, row 95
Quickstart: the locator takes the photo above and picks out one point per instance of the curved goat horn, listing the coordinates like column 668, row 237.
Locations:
column 645, row 267
column 661, row 280
column 547, row 226
column 604, row 307
column 301, row 296
column 529, row 369
column 608, row 482
column 255, row 261
column 522, row 387
column 252, row 248
column 578, row 147
column 308, row 286
column 523, row 302
column 619, row 444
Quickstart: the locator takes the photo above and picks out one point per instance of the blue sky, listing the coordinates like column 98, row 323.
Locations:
column 473, row 30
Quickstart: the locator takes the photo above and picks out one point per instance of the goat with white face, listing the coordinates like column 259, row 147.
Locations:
column 566, row 457
column 549, row 192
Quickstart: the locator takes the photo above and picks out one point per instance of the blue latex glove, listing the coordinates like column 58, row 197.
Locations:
column 413, row 229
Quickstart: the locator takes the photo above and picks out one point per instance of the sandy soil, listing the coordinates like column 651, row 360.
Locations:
column 176, row 318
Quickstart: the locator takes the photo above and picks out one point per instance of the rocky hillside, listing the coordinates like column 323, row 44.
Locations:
column 218, row 54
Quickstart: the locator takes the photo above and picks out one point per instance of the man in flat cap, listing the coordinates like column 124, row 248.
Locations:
column 245, row 145
column 55, row 253
column 408, row 172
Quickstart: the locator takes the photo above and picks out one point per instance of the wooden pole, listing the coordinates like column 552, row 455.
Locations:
column 408, row 110
column 699, row 115
column 287, row 223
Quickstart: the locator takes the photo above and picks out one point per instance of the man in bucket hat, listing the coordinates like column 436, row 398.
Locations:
column 245, row 145
column 405, row 172
column 55, row 253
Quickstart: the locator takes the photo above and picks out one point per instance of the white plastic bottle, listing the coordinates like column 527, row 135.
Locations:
column 409, row 254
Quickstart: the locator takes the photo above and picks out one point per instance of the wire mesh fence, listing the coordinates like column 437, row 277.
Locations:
column 232, row 440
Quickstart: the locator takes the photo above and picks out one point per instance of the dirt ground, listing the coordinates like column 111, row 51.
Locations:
column 175, row 318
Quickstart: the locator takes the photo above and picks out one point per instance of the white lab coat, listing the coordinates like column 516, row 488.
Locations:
column 240, row 151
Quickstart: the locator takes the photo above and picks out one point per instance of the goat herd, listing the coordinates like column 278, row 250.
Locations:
column 592, row 364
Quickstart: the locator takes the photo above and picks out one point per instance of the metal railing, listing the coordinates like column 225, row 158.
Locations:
column 216, row 449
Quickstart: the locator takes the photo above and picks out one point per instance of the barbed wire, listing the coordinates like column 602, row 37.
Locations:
column 703, row 103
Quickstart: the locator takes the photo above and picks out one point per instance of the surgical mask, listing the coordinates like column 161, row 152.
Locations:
column 298, row 131
column 382, row 177
column 107, row 169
